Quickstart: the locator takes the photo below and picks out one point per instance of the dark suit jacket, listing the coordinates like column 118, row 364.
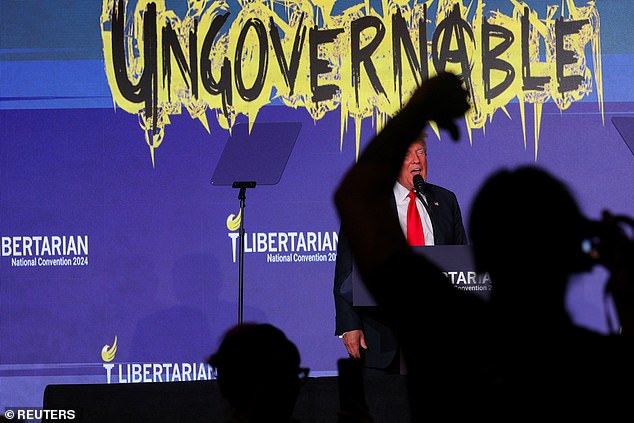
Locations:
column 382, row 346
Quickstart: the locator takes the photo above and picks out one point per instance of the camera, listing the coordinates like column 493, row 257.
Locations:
column 591, row 243
column 609, row 242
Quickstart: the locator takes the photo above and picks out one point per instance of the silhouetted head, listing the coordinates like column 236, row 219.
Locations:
column 257, row 368
column 525, row 228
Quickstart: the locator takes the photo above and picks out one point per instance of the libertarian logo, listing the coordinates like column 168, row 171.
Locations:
column 284, row 246
column 45, row 250
column 151, row 372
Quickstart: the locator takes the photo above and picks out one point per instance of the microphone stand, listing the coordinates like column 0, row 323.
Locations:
column 242, row 197
column 423, row 200
column 419, row 189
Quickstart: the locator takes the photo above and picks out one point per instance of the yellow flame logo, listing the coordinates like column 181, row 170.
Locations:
column 108, row 352
column 233, row 221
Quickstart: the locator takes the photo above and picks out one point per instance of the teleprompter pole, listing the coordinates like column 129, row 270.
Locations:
column 242, row 197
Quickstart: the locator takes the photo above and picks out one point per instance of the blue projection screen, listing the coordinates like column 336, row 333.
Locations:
column 119, row 256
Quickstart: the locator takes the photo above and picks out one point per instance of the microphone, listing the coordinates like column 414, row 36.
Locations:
column 419, row 184
column 419, row 187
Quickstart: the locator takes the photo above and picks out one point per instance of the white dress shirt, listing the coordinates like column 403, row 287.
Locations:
column 402, row 201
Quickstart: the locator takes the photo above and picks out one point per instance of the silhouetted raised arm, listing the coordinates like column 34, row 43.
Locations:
column 362, row 198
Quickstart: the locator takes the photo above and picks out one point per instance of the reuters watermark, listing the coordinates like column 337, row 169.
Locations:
column 26, row 414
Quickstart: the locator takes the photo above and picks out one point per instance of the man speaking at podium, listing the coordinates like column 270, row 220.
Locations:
column 429, row 215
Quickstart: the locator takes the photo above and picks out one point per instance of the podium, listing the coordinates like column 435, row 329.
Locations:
column 456, row 261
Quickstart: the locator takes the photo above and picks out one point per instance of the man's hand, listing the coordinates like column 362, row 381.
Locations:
column 354, row 340
column 442, row 99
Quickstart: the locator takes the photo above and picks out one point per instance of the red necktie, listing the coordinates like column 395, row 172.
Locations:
column 415, row 234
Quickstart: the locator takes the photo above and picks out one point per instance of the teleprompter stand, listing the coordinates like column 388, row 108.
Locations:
column 250, row 158
column 242, row 197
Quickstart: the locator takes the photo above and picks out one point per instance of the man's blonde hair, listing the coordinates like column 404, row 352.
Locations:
column 422, row 138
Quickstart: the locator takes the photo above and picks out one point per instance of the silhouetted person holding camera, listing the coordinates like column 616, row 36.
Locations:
column 258, row 373
column 517, row 355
